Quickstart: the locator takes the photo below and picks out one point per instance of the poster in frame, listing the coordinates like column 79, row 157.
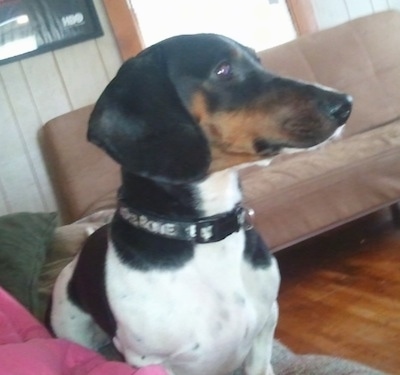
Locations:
column 31, row 27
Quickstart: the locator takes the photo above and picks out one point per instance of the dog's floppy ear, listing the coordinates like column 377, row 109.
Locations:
column 140, row 121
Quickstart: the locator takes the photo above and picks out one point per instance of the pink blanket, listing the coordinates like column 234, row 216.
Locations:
column 26, row 347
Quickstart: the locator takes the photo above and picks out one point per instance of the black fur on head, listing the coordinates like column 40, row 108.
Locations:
column 140, row 121
column 195, row 104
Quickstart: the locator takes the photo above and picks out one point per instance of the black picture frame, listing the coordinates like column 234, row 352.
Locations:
column 31, row 27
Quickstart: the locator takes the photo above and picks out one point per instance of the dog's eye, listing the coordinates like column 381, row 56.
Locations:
column 224, row 71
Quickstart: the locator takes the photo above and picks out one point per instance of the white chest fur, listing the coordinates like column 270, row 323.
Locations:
column 203, row 317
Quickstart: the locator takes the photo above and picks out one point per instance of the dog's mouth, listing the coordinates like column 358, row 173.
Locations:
column 267, row 149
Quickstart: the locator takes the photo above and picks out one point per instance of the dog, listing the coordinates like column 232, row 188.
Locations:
column 180, row 277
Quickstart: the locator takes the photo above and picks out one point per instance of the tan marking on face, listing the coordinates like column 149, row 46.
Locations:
column 231, row 135
column 221, row 160
column 199, row 108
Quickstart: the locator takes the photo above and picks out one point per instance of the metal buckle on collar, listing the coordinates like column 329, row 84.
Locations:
column 246, row 217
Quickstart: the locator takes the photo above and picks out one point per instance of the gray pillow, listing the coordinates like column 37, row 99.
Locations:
column 24, row 238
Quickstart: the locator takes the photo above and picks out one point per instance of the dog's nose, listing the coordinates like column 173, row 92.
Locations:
column 340, row 111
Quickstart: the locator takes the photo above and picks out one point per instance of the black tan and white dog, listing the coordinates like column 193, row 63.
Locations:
column 179, row 277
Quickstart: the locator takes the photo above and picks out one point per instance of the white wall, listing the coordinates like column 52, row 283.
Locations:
column 259, row 24
column 331, row 13
column 34, row 90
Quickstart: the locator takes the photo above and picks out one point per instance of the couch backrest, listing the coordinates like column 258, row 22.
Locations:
column 360, row 57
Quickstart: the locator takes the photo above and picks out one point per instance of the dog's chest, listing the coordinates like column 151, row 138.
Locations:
column 204, row 315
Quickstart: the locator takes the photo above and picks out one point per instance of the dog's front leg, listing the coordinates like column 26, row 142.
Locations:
column 258, row 361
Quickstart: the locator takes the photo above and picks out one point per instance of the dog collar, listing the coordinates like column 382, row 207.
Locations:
column 204, row 230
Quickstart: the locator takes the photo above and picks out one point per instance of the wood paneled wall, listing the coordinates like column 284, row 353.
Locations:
column 34, row 90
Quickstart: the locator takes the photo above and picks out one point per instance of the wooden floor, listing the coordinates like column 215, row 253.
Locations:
column 340, row 294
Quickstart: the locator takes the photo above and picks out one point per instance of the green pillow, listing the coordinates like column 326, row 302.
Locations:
column 24, row 238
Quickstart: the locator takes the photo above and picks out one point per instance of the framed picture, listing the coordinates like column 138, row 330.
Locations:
column 30, row 27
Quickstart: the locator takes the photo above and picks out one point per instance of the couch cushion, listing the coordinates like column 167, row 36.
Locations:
column 311, row 192
column 356, row 58
column 85, row 178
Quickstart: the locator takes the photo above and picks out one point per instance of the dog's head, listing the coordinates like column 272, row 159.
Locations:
column 195, row 104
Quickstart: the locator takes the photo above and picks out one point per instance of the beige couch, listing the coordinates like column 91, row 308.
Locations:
column 308, row 193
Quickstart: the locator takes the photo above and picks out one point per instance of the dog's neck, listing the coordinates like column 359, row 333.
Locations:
column 216, row 194
column 159, row 202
